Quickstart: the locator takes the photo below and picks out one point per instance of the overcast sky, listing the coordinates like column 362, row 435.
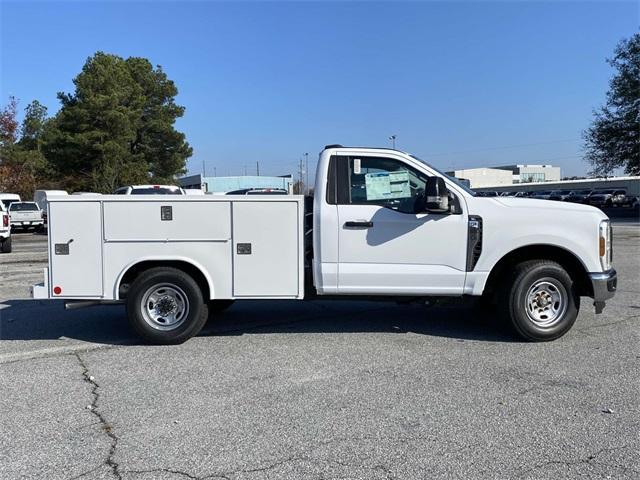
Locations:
column 460, row 84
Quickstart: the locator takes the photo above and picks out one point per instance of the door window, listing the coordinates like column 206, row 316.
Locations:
column 386, row 182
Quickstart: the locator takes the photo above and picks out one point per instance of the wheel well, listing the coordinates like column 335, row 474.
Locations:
column 135, row 270
column 566, row 259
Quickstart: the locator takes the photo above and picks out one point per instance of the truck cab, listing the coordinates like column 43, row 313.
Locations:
column 382, row 228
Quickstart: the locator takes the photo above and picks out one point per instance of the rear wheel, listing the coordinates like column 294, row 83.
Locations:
column 165, row 306
column 540, row 301
column 5, row 246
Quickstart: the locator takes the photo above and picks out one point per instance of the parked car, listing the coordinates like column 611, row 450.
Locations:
column 623, row 200
column 26, row 216
column 149, row 190
column 579, row 196
column 41, row 197
column 8, row 198
column 560, row 195
column 607, row 198
column 259, row 191
column 5, row 230
column 385, row 224
column 541, row 195
column 194, row 191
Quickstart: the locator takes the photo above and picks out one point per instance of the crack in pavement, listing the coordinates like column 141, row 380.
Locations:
column 176, row 472
column 84, row 474
column 106, row 427
column 590, row 460
column 306, row 455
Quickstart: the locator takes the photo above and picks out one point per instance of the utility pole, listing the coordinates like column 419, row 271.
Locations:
column 214, row 172
column 306, row 171
column 204, row 172
column 393, row 141
column 257, row 169
column 300, row 181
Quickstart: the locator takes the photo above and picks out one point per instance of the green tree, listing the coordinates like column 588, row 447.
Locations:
column 33, row 125
column 23, row 168
column 613, row 140
column 8, row 123
column 117, row 128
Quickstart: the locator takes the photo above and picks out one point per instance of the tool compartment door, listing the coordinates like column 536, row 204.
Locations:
column 75, row 248
column 266, row 249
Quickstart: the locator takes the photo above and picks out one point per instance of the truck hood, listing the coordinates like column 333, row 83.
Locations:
column 529, row 203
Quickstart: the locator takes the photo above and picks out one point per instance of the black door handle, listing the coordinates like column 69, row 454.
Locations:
column 358, row 224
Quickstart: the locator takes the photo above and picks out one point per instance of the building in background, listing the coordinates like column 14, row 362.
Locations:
column 227, row 184
column 532, row 173
column 483, row 177
column 631, row 185
column 506, row 175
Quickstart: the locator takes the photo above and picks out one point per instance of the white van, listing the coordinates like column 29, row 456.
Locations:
column 41, row 197
column 8, row 198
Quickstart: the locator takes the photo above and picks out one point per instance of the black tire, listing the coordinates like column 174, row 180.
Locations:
column 5, row 247
column 217, row 307
column 540, row 301
column 169, row 291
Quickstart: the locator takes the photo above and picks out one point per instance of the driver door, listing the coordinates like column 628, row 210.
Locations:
column 386, row 245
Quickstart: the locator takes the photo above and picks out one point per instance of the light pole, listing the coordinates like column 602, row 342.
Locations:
column 393, row 141
column 306, row 171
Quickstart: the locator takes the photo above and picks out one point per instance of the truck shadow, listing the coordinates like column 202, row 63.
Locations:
column 47, row 320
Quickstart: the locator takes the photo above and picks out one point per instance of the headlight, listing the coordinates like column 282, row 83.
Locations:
column 604, row 245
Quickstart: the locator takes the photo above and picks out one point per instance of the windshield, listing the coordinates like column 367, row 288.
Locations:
column 23, row 207
column 458, row 182
column 155, row 191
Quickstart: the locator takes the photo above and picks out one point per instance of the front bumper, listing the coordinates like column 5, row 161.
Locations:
column 604, row 287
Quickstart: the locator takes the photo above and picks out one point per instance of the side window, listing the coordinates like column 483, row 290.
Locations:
column 384, row 181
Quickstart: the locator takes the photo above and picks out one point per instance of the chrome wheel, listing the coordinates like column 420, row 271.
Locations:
column 546, row 303
column 164, row 306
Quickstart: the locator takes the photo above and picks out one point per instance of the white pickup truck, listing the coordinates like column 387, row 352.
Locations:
column 382, row 224
column 5, row 230
column 26, row 215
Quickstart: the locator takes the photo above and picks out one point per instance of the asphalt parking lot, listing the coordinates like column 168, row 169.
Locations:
column 316, row 390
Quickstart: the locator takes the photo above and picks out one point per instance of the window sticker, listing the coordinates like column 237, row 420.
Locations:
column 387, row 185
column 356, row 166
column 377, row 185
column 399, row 184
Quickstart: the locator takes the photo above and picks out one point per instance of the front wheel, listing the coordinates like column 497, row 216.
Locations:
column 165, row 306
column 540, row 301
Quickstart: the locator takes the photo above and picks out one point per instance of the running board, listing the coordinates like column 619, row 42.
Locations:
column 74, row 304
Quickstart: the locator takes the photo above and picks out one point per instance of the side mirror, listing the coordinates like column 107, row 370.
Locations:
column 436, row 196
